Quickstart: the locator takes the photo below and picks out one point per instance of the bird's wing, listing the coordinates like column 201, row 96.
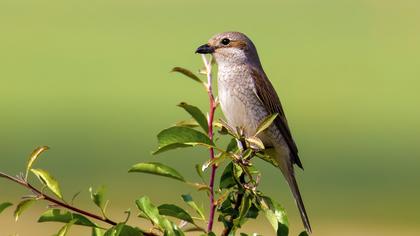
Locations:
column 268, row 97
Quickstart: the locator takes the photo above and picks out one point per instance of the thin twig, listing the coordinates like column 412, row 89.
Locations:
column 43, row 196
column 213, row 105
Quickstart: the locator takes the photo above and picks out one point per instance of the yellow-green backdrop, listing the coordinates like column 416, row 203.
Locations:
column 91, row 80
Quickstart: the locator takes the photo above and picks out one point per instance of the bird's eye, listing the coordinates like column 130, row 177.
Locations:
column 225, row 41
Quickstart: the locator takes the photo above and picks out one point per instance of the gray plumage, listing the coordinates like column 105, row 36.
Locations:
column 247, row 97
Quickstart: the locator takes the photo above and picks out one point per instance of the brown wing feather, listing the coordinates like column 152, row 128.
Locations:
column 269, row 98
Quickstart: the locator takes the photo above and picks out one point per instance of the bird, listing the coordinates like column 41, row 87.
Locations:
column 247, row 97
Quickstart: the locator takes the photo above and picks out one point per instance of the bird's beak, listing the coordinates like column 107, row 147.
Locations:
column 205, row 49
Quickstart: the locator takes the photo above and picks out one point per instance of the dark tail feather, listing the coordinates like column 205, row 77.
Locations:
column 296, row 194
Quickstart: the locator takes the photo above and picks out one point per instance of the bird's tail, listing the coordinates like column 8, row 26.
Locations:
column 291, row 180
column 286, row 167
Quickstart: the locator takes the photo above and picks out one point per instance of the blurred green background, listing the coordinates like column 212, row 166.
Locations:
column 91, row 80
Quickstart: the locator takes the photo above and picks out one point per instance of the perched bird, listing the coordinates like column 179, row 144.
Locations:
column 247, row 97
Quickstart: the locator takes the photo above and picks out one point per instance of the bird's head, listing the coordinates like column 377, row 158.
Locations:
column 230, row 48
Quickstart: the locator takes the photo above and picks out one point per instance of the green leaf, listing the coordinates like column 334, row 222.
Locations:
column 197, row 114
column 243, row 211
column 252, row 212
column 189, row 200
column 268, row 155
column 187, row 73
column 74, row 197
column 128, row 212
column 255, row 143
column 145, row 205
column 66, row 228
column 123, row 230
column 98, row 197
column 179, row 136
column 49, row 181
column 232, row 146
column 170, row 147
column 303, row 233
column 217, row 160
column 97, row 232
column 266, row 123
column 34, row 155
column 237, row 172
column 227, row 180
column 200, row 187
column 225, row 128
column 188, row 123
column 22, row 206
column 175, row 211
column 5, row 205
column 247, row 154
column 56, row 215
column 199, row 172
column 276, row 215
column 157, row 169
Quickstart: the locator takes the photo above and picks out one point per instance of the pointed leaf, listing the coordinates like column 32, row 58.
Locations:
column 276, row 215
column 303, row 233
column 4, row 205
column 189, row 200
column 49, row 181
column 74, row 197
column 56, row 215
column 199, row 172
column 243, row 211
column 128, row 212
column 170, row 147
column 98, row 197
column 22, row 206
column 146, row 206
column 266, row 123
column 197, row 114
column 200, row 187
column 151, row 211
column 97, row 232
column 247, row 154
column 175, row 211
column 253, row 211
column 232, row 146
column 216, row 161
column 255, row 143
column 123, row 230
column 34, row 155
column 268, row 156
column 179, row 136
column 237, row 172
column 66, row 228
column 187, row 73
column 226, row 128
column 188, row 123
column 227, row 180
column 157, row 169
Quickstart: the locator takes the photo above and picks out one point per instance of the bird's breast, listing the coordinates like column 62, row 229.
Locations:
column 239, row 102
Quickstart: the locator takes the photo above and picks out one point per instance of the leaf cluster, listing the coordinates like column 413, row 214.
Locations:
column 237, row 197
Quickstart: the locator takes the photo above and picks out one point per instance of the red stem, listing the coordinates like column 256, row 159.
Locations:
column 213, row 167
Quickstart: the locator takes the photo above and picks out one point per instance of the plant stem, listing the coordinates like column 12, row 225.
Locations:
column 67, row 206
column 213, row 106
